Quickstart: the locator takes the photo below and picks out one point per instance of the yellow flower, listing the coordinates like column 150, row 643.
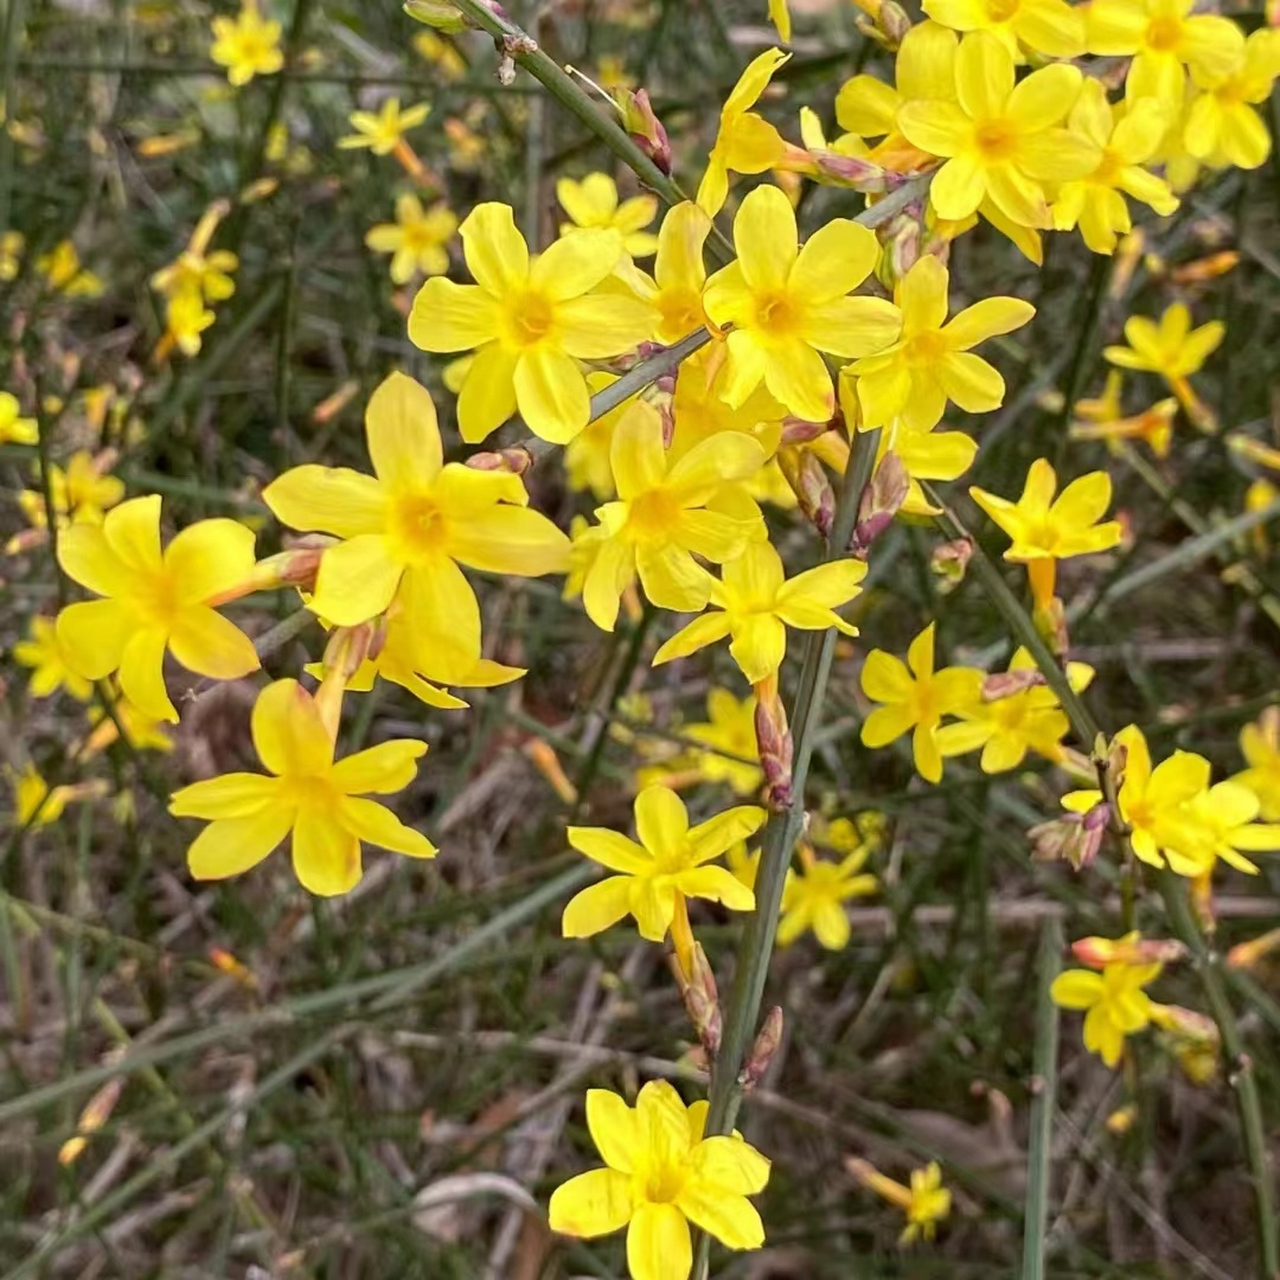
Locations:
column 1223, row 127
column 670, row 858
column 756, row 603
column 926, row 1202
column 45, row 656
column 1103, row 419
column 532, row 321
column 933, row 362
column 1220, row 824
column 62, row 270
column 11, row 245
column 1043, row 527
column 1050, row 27
column 141, row 732
column 186, row 318
column 915, row 698
column 1260, row 746
column 417, row 238
column 780, row 16
column 1163, row 36
column 1096, row 200
column 814, row 898
column 660, row 520
column 15, row 429
column 441, row 54
column 745, row 141
column 1007, row 727
column 381, row 131
column 36, row 804
column 83, row 490
column 1114, row 1000
column 592, row 204
column 196, row 270
column 1000, row 140
column 246, row 45
column 1170, row 348
column 407, row 528
column 730, row 732
column 661, row 1175
column 701, row 411
column 679, row 274
column 787, row 304
column 1153, row 802
column 154, row 601
column 308, row 794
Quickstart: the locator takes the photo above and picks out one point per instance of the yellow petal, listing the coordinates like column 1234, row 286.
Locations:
column 1076, row 989
column 233, row 795
column 574, row 264
column 662, row 821
column 288, row 733
column 357, row 580
column 326, row 856
column 732, row 1219
column 496, row 253
column 658, row 1243
column 132, row 531
column 552, row 394
column 333, row 500
column 764, row 233
column 610, row 849
column 92, row 635
column 232, row 845
column 614, row 1129
column 592, row 1204
column 488, row 396
column 208, row 644
column 597, row 907
column 452, row 317
column 375, row 824
column 512, row 540
column 381, row 770
column 403, row 435
column 142, row 673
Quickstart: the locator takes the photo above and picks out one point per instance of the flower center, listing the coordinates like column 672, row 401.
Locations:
column 653, row 516
column 532, row 319
column 1164, row 34
column 776, row 313
column 663, row 1183
column 418, row 527
column 1108, row 167
column 1001, row 10
column 681, row 309
column 996, row 139
column 926, row 348
column 158, row 600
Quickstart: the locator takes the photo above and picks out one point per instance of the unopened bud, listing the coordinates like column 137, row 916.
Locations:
column 646, row 130
column 1051, row 622
column 881, row 500
column 773, row 737
column 225, row 962
column 1074, row 838
column 902, row 244
column 701, row 998
column 334, row 403
column 1097, row 953
column 854, row 171
column 950, row 561
column 543, row 757
column 798, row 431
column 1006, row 684
column 92, row 1118
column 516, row 459
column 894, row 22
column 440, row 15
column 811, row 485
column 1216, row 264
column 295, row 567
column 762, row 1051
column 1121, row 1120
column 1195, row 1040
column 1246, row 955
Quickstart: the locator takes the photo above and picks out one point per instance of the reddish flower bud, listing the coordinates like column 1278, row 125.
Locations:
column 950, row 561
column 762, row 1051
column 701, row 998
column 1097, row 953
column 881, row 500
column 811, row 485
column 516, row 459
column 1005, row 684
column 646, row 130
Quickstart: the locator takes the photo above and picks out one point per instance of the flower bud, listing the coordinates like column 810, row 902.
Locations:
column 644, row 127
column 950, row 561
column 701, row 998
column 811, row 485
column 543, row 757
column 773, row 737
column 1074, row 838
column 766, row 1045
column 296, row 566
column 440, row 15
column 1246, row 955
column 881, row 500
column 1006, row 684
column 1097, row 953
column 798, row 431
column 516, row 459
column 1195, row 1040
column 96, row 1113
column 853, row 171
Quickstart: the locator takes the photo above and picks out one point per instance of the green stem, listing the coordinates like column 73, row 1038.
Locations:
column 756, row 948
column 13, row 20
column 1239, row 1066
column 1040, row 1143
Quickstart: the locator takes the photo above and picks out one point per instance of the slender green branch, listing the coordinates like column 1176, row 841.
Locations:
column 742, row 1011
column 13, row 19
column 1239, row 1067
column 1040, row 1144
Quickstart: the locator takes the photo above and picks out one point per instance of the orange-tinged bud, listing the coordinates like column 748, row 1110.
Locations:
column 1246, row 955
column 226, row 963
column 1210, row 268
column 871, row 1178
column 811, row 485
column 773, row 737
column 1120, row 1121
column 1005, row 684
column 699, row 992
column 646, row 130
column 543, row 757
column 1097, row 953
column 766, row 1045
column 517, row 460
column 881, row 500
column 334, row 403
column 167, row 144
column 295, row 567
column 950, row 561
column 92, row 1118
